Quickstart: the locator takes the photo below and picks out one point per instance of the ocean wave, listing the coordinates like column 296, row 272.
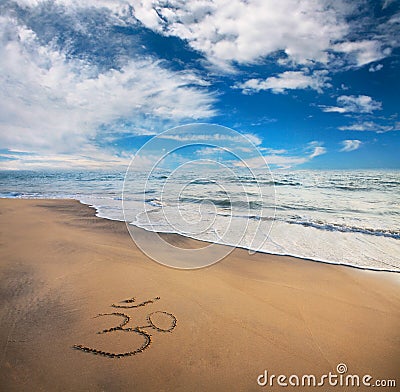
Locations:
column 320, row 225
column 155, row 202
column 224, row 203
column 347, row 228
column 283, row 207
column 202, row 182
column 247, row 180
column 11, row 195
column 369, row 267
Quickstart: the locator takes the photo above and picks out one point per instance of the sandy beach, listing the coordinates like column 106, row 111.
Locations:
column 61, row 266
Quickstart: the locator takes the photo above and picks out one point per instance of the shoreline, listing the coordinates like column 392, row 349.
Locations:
column 337, row 252
column 61, row 266
column 371, row 269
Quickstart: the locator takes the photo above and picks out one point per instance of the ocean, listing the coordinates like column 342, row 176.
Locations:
column 341, row 217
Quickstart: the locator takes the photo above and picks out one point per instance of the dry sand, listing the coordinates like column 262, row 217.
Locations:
column 61, row 266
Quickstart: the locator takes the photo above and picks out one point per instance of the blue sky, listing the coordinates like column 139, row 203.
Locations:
column 313, row 84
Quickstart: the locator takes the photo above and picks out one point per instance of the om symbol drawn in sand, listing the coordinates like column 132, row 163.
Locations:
column 151, row 323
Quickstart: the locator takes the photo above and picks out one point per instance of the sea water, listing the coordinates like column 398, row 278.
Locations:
column 344, row 217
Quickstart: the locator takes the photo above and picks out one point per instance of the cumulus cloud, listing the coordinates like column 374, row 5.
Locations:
column 53, row 102
column 350, row 145
column 289, row 80
column 230, row 32
column 244, row 31
column 375, row 68
column 354, row 104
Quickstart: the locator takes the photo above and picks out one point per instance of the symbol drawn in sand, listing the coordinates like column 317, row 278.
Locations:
column 131, row 300
column 138, row 329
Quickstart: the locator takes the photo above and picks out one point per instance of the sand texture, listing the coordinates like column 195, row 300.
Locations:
column 82, row 309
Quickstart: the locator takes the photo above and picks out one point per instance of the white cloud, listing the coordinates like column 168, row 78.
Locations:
column 375, row 68
column 209, row 151
column 289, row 80
column 229, row 31
column 354, row 104
column 284, row 160
column 363, row 52
column 318, row 150
column 315, row 149
column 333, row 109
column 395, row 19
column 273, row 150
column 212, row 137
column 387, row 3
column 350, row 145
column 52, row 103
column 371, row 126
column 246, row 31
column 91, row 160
